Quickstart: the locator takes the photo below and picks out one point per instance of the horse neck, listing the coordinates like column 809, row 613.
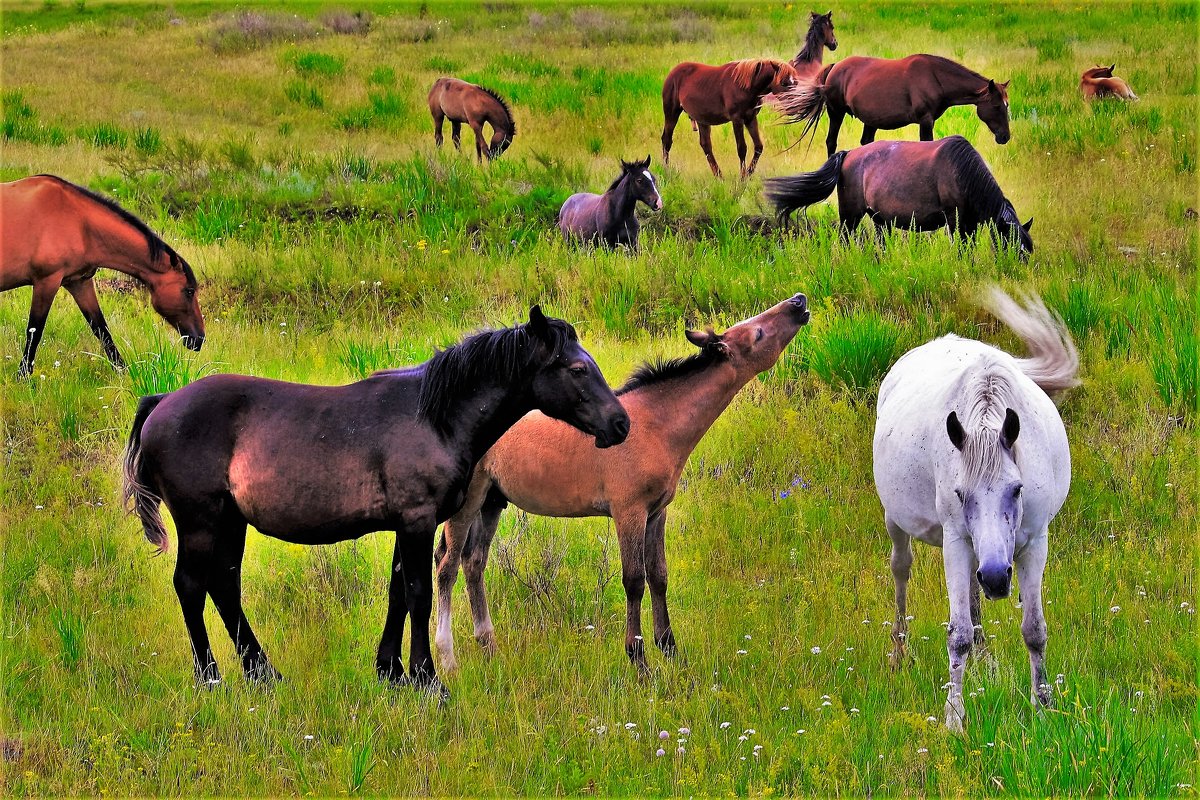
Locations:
column 960, row 86
column 115, row 244
column 683, row 409
column 498, row 115
column 482, row 413
column 620, row 200
column 812, row 53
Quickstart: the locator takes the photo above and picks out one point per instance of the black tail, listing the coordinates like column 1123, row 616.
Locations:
column 801, row 191
column 139, row 498
column 805, row 103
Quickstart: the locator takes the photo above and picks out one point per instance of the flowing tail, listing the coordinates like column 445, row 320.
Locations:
column 1054, row 361
column 805, row 102
column 139, row 498
column 801, row 191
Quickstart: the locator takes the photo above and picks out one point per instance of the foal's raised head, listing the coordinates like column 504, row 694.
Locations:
column 1099, row 72
column 642, row 184
column 988, row 490
column 570, row 387
column 172, row 287
column 754, row 345
column 992, row 106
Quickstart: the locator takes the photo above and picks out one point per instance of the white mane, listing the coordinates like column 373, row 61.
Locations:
column 986, row 393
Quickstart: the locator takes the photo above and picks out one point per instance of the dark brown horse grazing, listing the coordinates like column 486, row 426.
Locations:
column 56, row 234
column 1099, row 82
column 732, row 92
column 323, row 464
column 547, row 468
column 920, row 186
column 891, row 93
column 609, row 219
column 474, row 105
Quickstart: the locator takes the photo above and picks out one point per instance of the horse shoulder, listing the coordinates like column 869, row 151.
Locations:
column 43, row 227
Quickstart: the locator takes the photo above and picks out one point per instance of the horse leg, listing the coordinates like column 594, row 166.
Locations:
column 479, row 545
column 706, row 146
column 752, row 127
column 193, row 566
column 959, row 560
column 977, row 613
column 416, row 559
column 836, row 115
column 671, row 112
column 868, row 134
column 388, row 665
column 439, row 117
column 456, row 134
column 225, row 589
column 901, row 562
column 656, row 577
column 926, row 126
column 448, row 557
column 739, row 137
column 39, row 310
column 631, row 534
column 1030, row 565
column 84, row 292
column 480, row 144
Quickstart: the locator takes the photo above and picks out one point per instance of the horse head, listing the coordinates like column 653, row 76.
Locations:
column 991, row 104
column 825, row 23
column 642, row 184
column 988, row 491
column 570, row 387
column 1015, row 232
column 1099, row 72
column 173, row 296
column 754, row 345
column 501, row 140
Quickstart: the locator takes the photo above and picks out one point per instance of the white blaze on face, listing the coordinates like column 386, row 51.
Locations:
column 657, row 197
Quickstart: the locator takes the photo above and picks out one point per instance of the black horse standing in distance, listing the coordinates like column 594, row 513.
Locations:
column 609, row 218
column 323, row 464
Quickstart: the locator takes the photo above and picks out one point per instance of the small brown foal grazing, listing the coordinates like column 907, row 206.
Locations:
column 55, row 234
column 546, row 467
column 1099, row 83
column 732, row 92
column 474, row 105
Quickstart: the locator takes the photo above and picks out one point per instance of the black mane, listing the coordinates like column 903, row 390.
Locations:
column 664, row 369
column 951, row 63
column 629, row 167
column 813, row 40
column 507, row 354
column 974, row 177
column 153, row 241
column 512, row 123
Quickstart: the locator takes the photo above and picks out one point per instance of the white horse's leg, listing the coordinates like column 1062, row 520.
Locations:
column 977, row 612
column 959, row 561
column 902, row 557
column 1030, row 564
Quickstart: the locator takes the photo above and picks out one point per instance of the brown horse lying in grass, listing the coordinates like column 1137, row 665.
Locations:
column 548, row 468
column 887, row 94
column 56, row 234
column 475, row 105
column 732, row 92
column 1099, row 83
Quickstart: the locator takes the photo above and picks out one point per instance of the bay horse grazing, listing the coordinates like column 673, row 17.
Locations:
column 324, row 464
column 545, row 467
column 1099, row 83
column 971, row 456
column 920, row 186
column 887, row 94
column 609, row 218
column 475, row 105
column 55, row 234
column 711, row 95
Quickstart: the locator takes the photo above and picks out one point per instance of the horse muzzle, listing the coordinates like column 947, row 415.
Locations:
column 616, row 432
column 995, row 580
column 193, row 343
column 799, row 307
column 1002, row 138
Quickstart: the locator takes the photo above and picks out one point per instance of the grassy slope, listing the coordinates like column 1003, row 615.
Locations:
column 424, row 246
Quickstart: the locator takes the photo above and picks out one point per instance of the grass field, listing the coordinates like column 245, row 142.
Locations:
column 293, row 165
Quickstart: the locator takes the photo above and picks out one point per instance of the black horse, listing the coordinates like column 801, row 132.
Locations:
column 323, row 464
column 609, row 218
column 921, row 186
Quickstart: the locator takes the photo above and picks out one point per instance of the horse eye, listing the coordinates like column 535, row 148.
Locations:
column 189, row 292
column 1016, row 491
column 579, row 371
column 758, row 335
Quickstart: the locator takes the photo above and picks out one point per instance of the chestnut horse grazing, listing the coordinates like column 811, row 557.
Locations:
column 545, row 467
column 732, row 92
column 971, row 456
column 54, row 233
column 1099, row 83
column 891, row 93
column 323, row 464
column 920, row 186
column 609, row 218
column 474, row 105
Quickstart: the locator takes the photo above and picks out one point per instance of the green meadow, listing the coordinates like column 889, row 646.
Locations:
column 287, row 152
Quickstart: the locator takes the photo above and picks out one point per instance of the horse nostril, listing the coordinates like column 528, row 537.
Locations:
column 979, row 575
column 1010, row 572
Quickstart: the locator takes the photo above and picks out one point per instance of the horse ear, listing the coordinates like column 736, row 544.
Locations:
column 1028, row 225
column 1010, row 429
column 1114, row 66
column 1005, row 84
column 829, row 16
column 954, row 429
column 647, row 160
column 992, row 86
column 700, row 338
column 538, row 323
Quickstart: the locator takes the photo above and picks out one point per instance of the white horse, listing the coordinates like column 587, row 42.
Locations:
column 950, row 471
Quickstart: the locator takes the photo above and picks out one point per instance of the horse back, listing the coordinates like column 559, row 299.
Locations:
column 41, row 229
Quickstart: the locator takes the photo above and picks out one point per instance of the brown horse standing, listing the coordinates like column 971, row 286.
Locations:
column 1099, row 82
column 732, row 92
column 474, row 105
column 548, row 468
column 887, row 94
column 54, row 233
column 820, row 36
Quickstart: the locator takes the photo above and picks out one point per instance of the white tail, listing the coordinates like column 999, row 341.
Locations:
column 1054, row 361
